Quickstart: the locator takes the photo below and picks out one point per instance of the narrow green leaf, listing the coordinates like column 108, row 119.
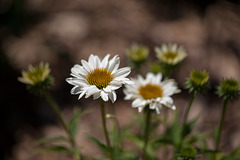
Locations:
column 236, row 152
column 73, row 123
column 52, row 139
column 189, row 126
column 56, row 149
column 100, row 145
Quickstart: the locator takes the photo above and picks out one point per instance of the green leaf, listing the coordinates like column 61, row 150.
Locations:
column 56, row 149
column 52, row 139
column 189, row 126
column 236, row 152
column 100, row 145
column 73, row 123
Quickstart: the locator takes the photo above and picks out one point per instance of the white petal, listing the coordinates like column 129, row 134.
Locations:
column 104, row 63
column 114, row 64
column 92, row 90
column 123, row 72
column 76, row 90
column 92, row 60
column 138, row 103
column 140, row 108
column 83, row 92
column 104, row 96
column 76, row 81
column 112, row 96
column 86, row 65
column 158, row 109
column 96, row 95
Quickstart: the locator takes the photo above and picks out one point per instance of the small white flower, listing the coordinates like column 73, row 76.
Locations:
column 99, row 78
column 170, row 53
column 151, row 91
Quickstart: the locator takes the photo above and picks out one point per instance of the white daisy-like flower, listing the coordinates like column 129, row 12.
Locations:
column 170, row 53
column 99, row 78
column 151, row 91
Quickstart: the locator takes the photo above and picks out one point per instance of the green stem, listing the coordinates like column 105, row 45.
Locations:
column 186, row 115
column 103, row 114
column 55, row 107
column 218, row 136
column 146, row 132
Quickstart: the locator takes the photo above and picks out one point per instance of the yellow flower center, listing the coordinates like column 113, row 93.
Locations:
column 170, row 55
column 150, row 91
column 100, row 77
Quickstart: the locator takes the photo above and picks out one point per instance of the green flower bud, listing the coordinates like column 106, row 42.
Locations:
column 197, row 82
column 228, row 89
column 37, row 79
column 187, row 153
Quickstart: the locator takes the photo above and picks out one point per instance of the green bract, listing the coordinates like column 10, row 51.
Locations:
column 197, row 82
column 228, row 89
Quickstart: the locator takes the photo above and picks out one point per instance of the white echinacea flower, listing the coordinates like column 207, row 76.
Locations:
column 171, row 54
column 99, row 78
column 151, row 91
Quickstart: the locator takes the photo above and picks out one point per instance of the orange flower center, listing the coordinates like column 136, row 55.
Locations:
column 100, row 77
column 150, row 91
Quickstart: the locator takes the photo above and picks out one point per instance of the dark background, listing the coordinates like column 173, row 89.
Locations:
column 63, row 32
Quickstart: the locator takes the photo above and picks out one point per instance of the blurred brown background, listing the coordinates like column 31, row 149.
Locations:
column 62, row 32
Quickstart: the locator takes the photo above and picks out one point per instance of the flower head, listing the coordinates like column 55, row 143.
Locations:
column 170, row 54
column 99, row 78
column 228, row 89
column 37, row 78
column 151, row 91
column 137, row 54
column 197, row 82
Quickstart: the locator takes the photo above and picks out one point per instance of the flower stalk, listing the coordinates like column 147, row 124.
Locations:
column 193, row 95
column 103, row 115
column 218, row 136
column 146, row 132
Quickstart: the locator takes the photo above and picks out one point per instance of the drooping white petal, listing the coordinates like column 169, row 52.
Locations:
column 104, row 96
column 112, row 96
column 76, row 90
column 92, row 90
column 138, row 102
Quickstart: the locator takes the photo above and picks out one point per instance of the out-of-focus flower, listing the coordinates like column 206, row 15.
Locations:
column 137, row 54
column 228, row 89
column 37, row 78
column 197, row 82
column 170, row 54
column 151, row 91
column 99, row 78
